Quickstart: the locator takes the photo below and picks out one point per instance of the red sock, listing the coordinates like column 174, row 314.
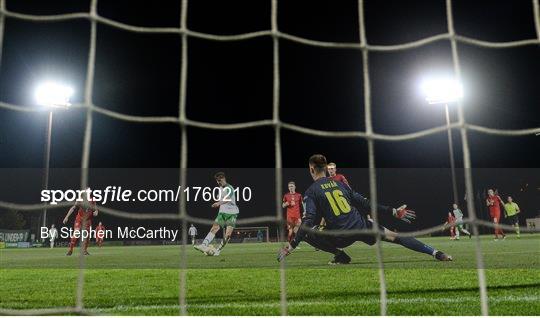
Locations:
column 72, row 243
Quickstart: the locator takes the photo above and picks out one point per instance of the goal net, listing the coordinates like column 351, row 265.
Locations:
column 277, row 124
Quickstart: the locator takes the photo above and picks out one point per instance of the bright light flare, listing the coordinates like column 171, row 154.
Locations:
column 53, row 95
column 442, row 91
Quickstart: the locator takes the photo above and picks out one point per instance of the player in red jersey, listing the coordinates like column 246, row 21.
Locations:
column 494, row 203
column 451, row 220
column 83, row 220
column 332, row 172
column 293, row 202
column 100, row 234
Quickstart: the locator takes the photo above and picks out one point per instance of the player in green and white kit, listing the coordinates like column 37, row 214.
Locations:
column 226, row 218
column 511, row 211
column 459, row 222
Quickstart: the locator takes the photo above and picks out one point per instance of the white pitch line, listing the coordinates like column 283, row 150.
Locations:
column 495, row 299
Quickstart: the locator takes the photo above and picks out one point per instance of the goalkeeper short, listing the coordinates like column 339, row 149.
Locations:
column 225, row 219
column 344, row 240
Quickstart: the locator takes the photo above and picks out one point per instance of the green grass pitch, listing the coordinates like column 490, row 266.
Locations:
column 244, row 280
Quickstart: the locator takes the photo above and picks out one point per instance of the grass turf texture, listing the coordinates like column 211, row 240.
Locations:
column 244, row 280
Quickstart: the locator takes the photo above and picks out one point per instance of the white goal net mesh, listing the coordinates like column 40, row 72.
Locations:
column 182, row 121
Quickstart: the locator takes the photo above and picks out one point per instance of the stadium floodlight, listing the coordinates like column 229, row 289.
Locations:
column 442, row 91
column 53, row 95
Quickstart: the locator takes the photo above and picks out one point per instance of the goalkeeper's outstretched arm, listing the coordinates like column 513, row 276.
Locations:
column 364, row 204
column 401, row 213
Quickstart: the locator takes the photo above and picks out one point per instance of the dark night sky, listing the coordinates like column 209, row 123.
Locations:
column 231, row 82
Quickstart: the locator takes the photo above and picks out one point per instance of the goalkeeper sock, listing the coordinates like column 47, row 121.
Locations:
column 414, row 244
column 517, row 229
column 209, row 238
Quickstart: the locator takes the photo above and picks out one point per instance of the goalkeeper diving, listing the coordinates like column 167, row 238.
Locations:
column 339, row 204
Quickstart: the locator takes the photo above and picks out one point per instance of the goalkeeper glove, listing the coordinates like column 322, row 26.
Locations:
column 403, row 214
column 284, row 252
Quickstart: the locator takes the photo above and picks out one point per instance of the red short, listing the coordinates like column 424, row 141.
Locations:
column 78, row 225
column 293, row 220
column 495, row 214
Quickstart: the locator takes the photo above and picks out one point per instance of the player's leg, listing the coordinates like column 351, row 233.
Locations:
column 415, row 245
column 203, row 247
column 496, row 227
column 501, row 231
column 463, row 230
column 227, row 233
column 498, row 230
column 52, row 243
column 408, row 242
column 72, row 243
column 289, row 231
column 74, row 237
column 515, row 221
column 86, row 237
column 218, row 223
column 230, row 223
column 226, row 237
column 292, row 227
column 211, row 234
column 297, row 222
